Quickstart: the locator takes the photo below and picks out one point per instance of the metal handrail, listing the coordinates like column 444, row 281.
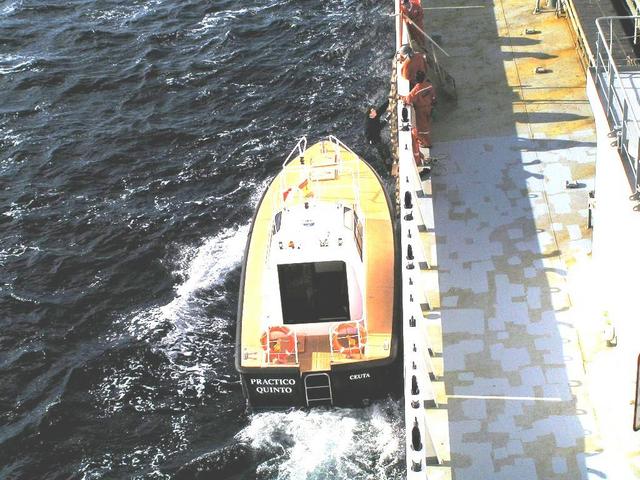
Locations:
column 609, row 48
column 354, row 180
column 305, row 170
column 619, row 108
column 634, row 8
column 300, row 147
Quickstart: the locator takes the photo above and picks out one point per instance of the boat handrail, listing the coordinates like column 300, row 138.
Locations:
column 307, row 168
column 339, row 142
column 354, row 180
column 300, row 147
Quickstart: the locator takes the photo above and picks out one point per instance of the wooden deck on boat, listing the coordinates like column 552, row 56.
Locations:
column 379, row 257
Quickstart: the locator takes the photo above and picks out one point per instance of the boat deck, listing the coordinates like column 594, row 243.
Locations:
column 379, row 256
column 508, row 236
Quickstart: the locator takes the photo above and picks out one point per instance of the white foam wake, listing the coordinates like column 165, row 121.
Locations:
column 212, row 261
column 203, row 267
column 337, row 443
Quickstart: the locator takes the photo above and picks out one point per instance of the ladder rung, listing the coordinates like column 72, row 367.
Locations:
column 318, row 399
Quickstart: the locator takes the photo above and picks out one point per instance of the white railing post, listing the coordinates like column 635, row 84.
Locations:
column 629, row 120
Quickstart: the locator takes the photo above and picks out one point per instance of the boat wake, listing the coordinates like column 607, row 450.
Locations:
column 314, row 444
column 336, row 443
column 192, row 333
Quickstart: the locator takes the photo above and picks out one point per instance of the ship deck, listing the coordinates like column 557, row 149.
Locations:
column 314, row 351
column 509, row 238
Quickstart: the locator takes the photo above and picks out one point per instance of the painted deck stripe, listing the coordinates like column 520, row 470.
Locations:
column 497, row 397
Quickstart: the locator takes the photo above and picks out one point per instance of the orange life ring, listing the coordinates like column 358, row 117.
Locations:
column 345, row 339
column 281, row 343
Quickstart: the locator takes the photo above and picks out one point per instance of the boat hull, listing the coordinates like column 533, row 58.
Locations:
column 352, row 385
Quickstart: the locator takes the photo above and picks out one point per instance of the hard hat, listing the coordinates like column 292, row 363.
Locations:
column 406, row 51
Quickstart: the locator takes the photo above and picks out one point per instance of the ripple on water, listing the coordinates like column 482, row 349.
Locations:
column 136, row 137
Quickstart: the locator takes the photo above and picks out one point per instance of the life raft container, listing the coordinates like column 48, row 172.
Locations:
column 349, row 339
column 280, row 343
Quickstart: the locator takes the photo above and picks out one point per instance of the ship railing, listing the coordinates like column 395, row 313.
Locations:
column 419, row 294
column 614, row 77
column 585, row 54
column 429, row 47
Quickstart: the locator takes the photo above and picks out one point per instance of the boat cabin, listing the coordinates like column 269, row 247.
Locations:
column 316, row 291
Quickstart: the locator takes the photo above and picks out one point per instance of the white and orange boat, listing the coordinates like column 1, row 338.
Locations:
column 318, row 315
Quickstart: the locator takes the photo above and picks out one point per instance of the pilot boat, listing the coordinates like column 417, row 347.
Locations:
column 318, row 314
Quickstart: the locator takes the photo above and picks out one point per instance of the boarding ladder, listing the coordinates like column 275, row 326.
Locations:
column 317, row 389
column 426, row 423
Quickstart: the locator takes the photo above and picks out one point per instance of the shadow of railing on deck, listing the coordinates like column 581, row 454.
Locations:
column 505, row 312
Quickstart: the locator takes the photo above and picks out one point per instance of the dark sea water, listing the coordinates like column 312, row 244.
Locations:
column 135, row 140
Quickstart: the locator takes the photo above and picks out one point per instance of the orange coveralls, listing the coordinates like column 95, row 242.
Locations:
column 413, row 65
column 422, row 97
column 416, row 14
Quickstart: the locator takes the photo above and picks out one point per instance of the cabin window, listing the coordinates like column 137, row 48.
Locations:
column 277, row 221
column 314, row 292
column 348, row 218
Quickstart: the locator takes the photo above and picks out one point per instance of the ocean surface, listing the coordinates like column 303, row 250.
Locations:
column 136, row 138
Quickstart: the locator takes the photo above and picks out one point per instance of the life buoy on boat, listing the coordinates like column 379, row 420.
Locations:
column 345, row 339
column 280, row 343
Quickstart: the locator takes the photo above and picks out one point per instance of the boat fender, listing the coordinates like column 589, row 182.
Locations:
column 407, row 200
column 416, row 443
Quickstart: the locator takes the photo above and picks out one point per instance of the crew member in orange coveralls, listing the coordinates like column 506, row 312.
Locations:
column 422, row 97
column 412, row 63
column 412, row 9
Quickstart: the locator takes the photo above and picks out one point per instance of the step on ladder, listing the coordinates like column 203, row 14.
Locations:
column 317, row 389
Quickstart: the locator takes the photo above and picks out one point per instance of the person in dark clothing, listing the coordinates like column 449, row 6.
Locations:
column 373, row 124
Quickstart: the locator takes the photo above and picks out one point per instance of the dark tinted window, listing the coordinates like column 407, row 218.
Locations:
column 314, row 292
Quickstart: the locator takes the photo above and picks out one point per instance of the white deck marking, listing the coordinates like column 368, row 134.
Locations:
column 503, row 397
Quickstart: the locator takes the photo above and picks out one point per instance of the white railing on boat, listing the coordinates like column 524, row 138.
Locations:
column 300, row 147
column 308, row 172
